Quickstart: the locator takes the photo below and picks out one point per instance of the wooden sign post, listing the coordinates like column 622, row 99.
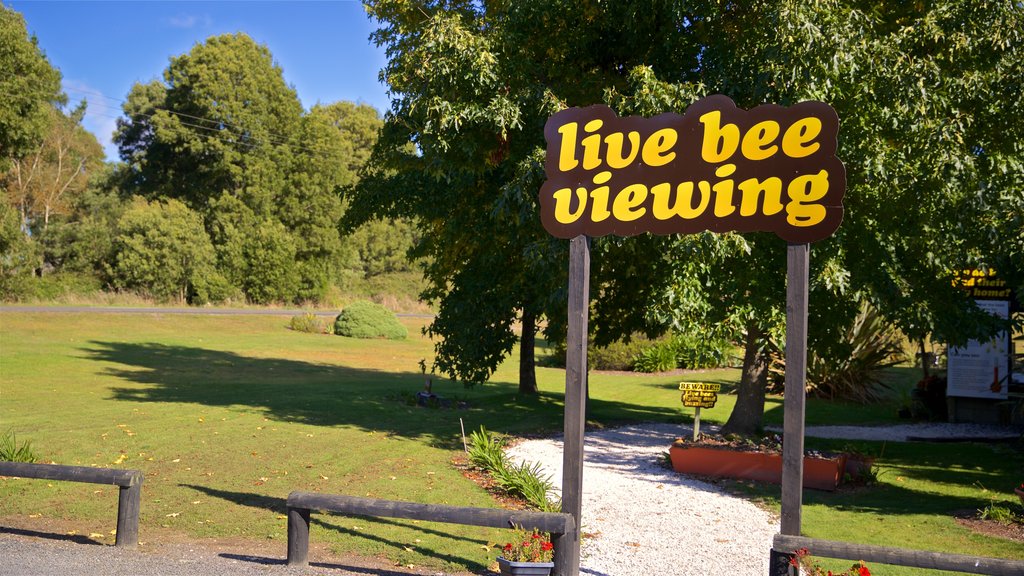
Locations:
column 699, row 395
column 716, row 167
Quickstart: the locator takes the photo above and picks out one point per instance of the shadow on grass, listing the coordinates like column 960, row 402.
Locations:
column 922, row 478
column 330, row 395
column 279, row 506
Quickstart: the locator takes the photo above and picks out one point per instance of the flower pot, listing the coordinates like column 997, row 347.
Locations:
column 524, row 568
column 819, row 473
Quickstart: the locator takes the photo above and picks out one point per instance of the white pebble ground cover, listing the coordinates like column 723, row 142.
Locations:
column 644, row 519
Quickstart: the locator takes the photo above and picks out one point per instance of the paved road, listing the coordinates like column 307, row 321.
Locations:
column 30, row 553
column 182, row 310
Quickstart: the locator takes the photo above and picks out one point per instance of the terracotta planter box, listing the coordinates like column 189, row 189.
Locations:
column 819, row 473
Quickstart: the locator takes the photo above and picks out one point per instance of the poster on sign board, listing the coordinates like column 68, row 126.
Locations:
column 981, row 369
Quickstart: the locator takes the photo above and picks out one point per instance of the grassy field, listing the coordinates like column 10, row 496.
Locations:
column 227, row 414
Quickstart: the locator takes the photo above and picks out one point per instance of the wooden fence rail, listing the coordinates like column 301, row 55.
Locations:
column 129, row 497
column 786, row 544
column 560, row 525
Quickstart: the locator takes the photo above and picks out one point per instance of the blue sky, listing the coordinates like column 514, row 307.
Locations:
column 103, row 48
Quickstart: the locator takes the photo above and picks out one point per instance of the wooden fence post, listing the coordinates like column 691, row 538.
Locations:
column 129, row 501
column 298, row 536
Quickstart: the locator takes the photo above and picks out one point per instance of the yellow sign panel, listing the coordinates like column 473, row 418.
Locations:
column 699, row 394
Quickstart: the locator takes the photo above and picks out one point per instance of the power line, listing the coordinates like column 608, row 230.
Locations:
column 218, row 130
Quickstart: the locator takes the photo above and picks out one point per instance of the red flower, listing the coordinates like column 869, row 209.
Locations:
column 508, row 547
column 545, row 546
column 535, row 536
column 864, row 571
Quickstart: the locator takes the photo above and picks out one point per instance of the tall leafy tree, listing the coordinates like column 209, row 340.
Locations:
column 224, row 133
column 29, row 87
column 933, row 159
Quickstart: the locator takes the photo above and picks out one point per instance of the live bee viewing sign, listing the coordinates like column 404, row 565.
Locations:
column 699, row 394
column 716, row 167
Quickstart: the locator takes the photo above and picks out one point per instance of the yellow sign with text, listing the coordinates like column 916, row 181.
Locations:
column 716, row 167
column 699, row 394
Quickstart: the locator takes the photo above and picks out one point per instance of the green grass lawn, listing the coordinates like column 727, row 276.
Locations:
column 227, row 414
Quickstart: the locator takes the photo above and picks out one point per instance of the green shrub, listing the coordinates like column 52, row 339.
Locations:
column 524, row 480
column 486, row 451
column 1001, row 514
column 307, row 323
column 10, row 451
column 855, row 369
column 368, row 320
column 701, row 352
column 617, row 355
column 852, row 368
column 530, row 483
column 658, row 358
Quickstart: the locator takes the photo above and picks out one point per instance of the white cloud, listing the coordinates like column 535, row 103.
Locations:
column 101, row 113
column 189, row 21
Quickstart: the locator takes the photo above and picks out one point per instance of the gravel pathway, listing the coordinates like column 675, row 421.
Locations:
column 644, row 519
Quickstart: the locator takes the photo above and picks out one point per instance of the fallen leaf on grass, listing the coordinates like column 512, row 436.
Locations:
column 176, row 460
column 197, row 501
column 173, row 514
column 408, row 549
column 113, row 532
column 72, row 532
column 34, row 515
column 95, row 535
column 322, row 477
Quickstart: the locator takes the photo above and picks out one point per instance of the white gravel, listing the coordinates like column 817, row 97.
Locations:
column 644, row 519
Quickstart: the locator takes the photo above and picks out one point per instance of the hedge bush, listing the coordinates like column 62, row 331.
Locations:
column 308, row 323
column 364, row 319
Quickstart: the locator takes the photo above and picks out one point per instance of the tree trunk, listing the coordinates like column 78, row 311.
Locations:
column 925, row 358
column 527, row 346
column 748, row 415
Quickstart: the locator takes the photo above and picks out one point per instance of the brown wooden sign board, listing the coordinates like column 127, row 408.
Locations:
column 718, row 168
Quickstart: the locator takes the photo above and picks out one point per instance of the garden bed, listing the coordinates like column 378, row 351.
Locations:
column 723, row 459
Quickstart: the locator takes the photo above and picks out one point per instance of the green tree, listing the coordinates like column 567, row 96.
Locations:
column 45, row 182
column 29, row 87
column 84, row 241
column 930, row 154
column 225, row 134
column 382, row 247
column 162, row 250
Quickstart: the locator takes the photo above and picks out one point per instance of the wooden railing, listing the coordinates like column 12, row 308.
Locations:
column 784, row 544
column 300, row 504
column 129, row 496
